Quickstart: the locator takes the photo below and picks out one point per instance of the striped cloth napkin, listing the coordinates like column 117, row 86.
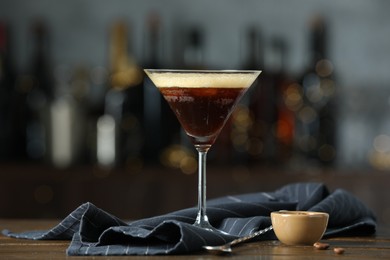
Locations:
column 93, row 231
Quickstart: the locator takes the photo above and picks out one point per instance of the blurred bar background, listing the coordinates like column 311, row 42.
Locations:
column 79, row 121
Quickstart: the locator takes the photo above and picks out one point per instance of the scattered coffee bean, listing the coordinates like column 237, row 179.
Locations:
column 339, row 250
column 321, row 246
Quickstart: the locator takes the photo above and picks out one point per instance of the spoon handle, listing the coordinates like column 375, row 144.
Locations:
column 249, row 237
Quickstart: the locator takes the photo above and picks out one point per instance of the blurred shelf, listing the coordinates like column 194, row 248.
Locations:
column 40, row 191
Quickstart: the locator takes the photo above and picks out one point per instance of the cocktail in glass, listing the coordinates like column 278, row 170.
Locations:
column 202, row 100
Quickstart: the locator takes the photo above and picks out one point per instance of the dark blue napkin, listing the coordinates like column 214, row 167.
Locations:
column 96, row 232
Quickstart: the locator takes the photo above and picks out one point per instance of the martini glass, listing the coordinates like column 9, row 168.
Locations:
column 202, row 101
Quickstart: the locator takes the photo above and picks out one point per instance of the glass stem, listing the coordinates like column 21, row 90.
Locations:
column 201, row 219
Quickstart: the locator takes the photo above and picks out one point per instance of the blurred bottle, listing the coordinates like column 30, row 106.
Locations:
column 38, row 84
column 67, row 117
column 286, row 101
column 119, row 129
column 193, row 59
column 261, row 118
column 81, row 84
column 193, row 50
column 180, row 153
column 315, row 129
column 8, row 136
column 95, row 101
column 161, row 126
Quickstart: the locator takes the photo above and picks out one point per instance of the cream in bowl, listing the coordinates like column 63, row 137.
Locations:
column 299, row 227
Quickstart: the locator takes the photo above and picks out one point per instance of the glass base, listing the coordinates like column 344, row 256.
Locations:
column 205, row 224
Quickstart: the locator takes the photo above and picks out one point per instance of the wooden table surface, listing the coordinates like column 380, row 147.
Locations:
column 373, row 247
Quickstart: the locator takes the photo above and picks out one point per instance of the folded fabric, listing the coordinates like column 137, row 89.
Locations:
column 93, row 231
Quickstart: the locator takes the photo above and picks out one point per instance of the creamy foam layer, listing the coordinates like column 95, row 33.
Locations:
column 220, row 79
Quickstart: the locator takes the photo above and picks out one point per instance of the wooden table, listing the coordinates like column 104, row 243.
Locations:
column 373, row 247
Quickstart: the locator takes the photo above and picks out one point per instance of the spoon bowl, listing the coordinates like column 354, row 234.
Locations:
column 227, row 248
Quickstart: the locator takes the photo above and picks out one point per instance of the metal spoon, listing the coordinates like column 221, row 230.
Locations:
column 226, row 248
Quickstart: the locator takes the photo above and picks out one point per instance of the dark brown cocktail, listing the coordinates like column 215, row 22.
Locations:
column 202, row 112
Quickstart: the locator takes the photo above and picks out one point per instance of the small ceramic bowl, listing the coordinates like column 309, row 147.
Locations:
column 299, row 227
